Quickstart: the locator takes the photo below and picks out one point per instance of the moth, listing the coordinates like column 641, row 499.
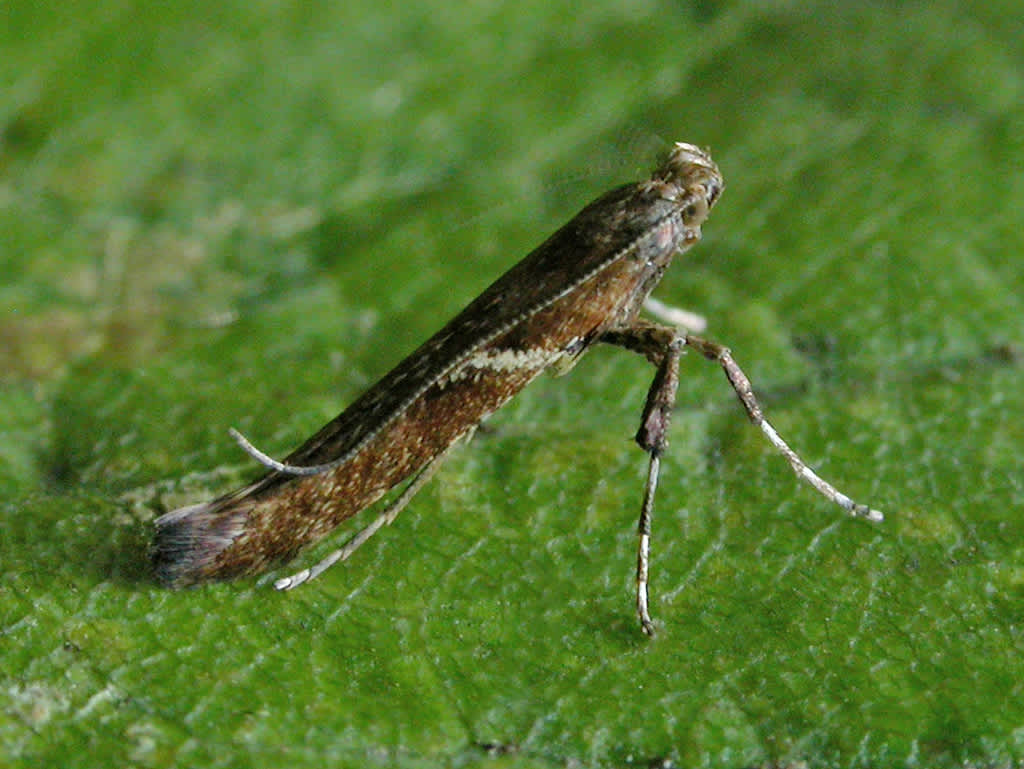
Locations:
column 585, row 285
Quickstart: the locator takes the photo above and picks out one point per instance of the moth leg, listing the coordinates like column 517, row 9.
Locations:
column 675, row 316
column 641, row 336
column 744, row 390
column 663, row 346
column 386, row 518
column 653, row 438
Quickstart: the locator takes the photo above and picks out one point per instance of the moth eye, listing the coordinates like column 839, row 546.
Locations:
column 695, row 212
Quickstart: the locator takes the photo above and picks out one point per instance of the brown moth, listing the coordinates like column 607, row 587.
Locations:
column 585, row 284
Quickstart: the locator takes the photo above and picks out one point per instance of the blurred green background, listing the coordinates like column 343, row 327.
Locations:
column 244, row 213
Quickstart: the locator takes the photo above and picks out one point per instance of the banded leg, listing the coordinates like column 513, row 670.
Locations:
column 386, row 518
column 744, row 390
column 653, row 438
column 663, row 346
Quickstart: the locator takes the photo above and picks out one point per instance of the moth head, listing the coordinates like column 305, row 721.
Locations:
column 690, row 177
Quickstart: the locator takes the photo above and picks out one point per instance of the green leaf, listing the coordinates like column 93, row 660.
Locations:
column 242, row 215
